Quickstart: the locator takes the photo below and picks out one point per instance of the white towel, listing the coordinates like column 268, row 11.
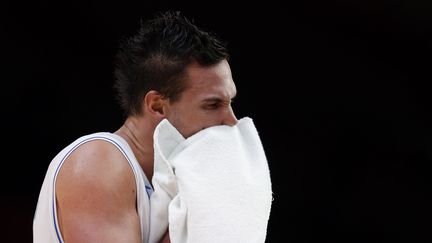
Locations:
column 212, row 187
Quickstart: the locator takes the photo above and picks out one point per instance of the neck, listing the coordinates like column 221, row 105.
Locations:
column 138, row 133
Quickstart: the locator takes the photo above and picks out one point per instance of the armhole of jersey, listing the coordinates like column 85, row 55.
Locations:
column 90, row 138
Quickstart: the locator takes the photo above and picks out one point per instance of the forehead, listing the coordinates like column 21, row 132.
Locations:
column 215, row 80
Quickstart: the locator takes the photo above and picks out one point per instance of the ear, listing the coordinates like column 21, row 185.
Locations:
column 154, row 104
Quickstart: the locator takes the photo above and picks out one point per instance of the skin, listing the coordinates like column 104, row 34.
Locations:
column 96, row 192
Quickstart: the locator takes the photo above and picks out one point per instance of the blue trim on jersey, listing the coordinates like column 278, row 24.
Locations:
column 147, row 187
column 54, row 180
column 149, row 190
column 55, row 227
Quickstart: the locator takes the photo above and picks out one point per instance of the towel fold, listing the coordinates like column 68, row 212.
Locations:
column 214, row 186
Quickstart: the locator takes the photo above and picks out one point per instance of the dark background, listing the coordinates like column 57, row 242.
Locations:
column 339, row 91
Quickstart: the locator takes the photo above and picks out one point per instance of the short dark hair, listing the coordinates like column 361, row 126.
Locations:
column 157, row 56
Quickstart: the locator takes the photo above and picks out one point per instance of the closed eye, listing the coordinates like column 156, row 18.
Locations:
column 216, row 102
column 212, row 106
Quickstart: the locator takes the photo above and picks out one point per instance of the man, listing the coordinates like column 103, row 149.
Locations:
column 97, row 189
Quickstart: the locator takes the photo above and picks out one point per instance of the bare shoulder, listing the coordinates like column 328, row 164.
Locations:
column 96, row 195
column 96, row 161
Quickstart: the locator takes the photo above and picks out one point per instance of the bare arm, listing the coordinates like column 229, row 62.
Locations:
column 96, row 196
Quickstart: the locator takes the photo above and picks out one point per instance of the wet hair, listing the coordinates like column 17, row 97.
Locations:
column 156, row 57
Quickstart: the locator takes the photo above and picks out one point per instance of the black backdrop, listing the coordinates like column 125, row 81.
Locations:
column 337, row 89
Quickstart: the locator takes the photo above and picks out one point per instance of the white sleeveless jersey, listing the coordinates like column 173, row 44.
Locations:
column 45, row 223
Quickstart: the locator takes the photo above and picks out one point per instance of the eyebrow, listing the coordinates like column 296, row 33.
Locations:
column 216, row 99
column 213, row 100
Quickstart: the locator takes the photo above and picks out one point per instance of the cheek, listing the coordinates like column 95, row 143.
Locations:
column 209, row 118
column 186, row 124
column 176, row 119
column 189, row 122
column 193, row 124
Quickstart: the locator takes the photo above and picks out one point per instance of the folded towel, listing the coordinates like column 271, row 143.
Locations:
column 212, row 187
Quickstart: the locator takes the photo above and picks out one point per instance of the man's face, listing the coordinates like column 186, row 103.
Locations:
column 207, row 100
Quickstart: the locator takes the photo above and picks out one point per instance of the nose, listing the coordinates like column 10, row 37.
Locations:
column 229, row 119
